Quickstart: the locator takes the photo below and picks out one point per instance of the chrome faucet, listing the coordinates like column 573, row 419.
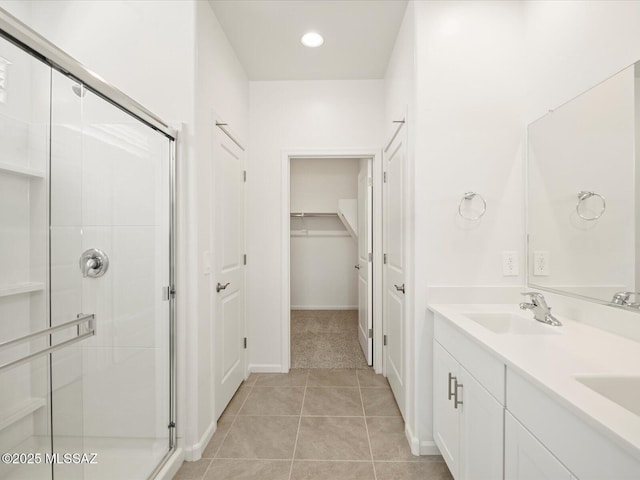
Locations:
column 622, row 298
column 541, row 311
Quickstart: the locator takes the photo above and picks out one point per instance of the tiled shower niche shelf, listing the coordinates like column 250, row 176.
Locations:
column 21, row 170
column 27, row 407
column 18, row 288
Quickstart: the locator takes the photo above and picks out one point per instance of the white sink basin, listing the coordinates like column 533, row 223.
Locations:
column 512, row 323
column 625, row 391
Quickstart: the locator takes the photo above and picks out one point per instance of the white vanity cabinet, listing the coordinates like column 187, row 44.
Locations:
column 525, row 458
column 521, row 414
column 468, row 419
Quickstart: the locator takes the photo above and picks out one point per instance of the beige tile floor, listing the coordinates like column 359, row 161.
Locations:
column 315, row 424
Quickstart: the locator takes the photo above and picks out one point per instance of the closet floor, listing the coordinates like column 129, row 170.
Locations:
column 325, row 339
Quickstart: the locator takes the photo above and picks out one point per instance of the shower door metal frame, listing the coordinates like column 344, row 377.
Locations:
column 16, row 32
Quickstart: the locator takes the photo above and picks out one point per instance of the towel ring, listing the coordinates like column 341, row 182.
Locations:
column 470, row 196
column 583, row 195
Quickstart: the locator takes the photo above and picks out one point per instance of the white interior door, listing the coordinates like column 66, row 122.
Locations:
column 365, row 249
column 229, row 276
column 394, row 322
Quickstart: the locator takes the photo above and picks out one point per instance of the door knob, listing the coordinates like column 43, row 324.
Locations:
column 357, row 267
column 399, row 288
column 222, row 287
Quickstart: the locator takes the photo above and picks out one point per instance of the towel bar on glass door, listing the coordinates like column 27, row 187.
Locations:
column 90, row 330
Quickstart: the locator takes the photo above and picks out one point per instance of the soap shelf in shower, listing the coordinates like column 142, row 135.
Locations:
column 22, row 287
column 26, row 408
column 20, row 170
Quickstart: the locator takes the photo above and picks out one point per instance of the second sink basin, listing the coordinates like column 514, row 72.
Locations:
column 623, row 390
column 511, row 323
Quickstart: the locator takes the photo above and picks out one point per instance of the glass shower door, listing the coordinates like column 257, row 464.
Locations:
column 25, row 423
column 110, row 227
column 85, row 332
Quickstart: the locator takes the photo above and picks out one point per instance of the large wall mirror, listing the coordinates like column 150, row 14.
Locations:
column 583, row 201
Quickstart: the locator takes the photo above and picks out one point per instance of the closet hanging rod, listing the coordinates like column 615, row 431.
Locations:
column 313, row 214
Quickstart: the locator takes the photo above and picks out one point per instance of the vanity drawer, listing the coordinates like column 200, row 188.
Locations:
column 586, row 452
column 487, row 369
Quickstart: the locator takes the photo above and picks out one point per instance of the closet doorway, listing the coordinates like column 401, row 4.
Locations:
column 330, row 258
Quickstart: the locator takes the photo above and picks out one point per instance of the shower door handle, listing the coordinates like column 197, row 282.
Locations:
column 219, row 286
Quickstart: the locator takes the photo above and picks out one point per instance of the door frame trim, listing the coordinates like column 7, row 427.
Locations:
column 375, row 154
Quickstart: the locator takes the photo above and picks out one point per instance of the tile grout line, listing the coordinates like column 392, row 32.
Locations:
column 366, row 427
column 295, row 445
column 235, row 417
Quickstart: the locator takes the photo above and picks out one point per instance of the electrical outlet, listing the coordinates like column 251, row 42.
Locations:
column 541, row 263
column 510, row 264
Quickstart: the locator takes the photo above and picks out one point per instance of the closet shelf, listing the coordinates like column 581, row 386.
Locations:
column 18, row 288
column 21, row 170
column 23, row 410
column 348, row 213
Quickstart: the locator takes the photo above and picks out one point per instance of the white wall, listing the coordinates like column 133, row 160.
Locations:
column 293, row 115
column 573, row 45
column 318, row 184
column 468, row 137
column 322, row 259
column 143, row 48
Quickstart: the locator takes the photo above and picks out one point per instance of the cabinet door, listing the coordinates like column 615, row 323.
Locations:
column 481, row 430
column 526, row 458
column 446, row 418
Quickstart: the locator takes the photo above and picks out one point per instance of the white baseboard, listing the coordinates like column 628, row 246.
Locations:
column 420, row 447
column 414, row 443
column 429, row 447
column 265, row 368
column 324, row 307
column 172, row 466
column 194, row 452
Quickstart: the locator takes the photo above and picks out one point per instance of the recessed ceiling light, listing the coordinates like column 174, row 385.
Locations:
column 312, row 39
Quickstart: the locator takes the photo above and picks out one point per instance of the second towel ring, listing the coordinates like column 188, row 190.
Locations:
column 583, row 195
column 470, row 196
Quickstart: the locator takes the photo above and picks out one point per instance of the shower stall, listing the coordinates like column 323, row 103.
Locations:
column 87, row 344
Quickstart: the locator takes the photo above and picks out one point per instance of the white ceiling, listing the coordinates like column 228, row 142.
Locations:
column 358, row 37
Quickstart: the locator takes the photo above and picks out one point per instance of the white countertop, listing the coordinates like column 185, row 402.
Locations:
column 551, row 362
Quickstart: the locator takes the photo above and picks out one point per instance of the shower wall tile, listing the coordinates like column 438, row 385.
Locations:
column 14, row 228
column 14, row 323
column 123, row 392
column 13, row 141
column 127, row 300
column 66, row 285
column 119, row 181
column 67, row 391
column 66, row 176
